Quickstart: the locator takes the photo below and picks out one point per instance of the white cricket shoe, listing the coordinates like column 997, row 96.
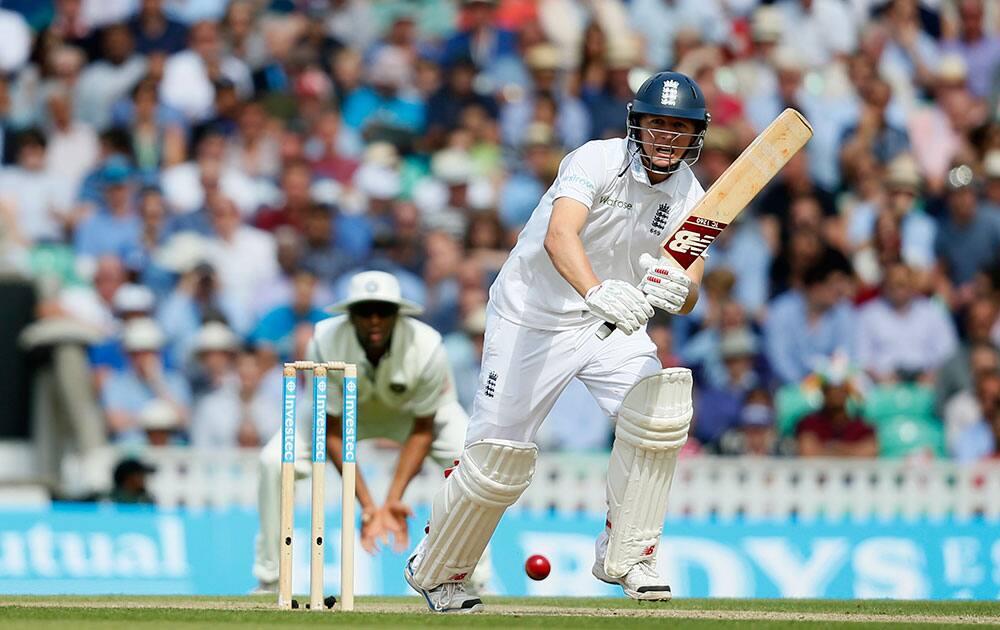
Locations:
column 450, row 597
column 641, row 582
column 265, row 588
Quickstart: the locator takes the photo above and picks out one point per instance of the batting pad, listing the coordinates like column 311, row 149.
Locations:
column 652, row 426
column 490, row 476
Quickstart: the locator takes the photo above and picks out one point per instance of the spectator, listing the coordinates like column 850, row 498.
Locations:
column 226, row 410
column 130, row 301
column 154, row 32
column 35, row 202
column 481, row 40
column 719, row 406
column 106, row 81
column 530, row 177
column 873, row 132
column 979, row 49
column 979, row 440
column 386, row 101
column 963, row 409
column 445, row 107
column 129, row 480
column 834, row 431
column 321, row 251
column 754, row 433
column 116, row 227
column 807, row 325
column 161, row 421
column 243, row 256
column 277, row 327
column 902, row 335
column 197, row 297
column 126, row 394
column 545, row 102
column 72, row 150
column 660, row 22
column 188, row 75
column 955, row 374
column 968, row 239
column 904, row 206
column 824, row 31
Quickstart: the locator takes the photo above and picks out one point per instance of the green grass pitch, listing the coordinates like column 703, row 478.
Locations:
column 154, row 613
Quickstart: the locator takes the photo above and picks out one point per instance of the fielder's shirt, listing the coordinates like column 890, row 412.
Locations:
column 628, row 217
column 412, row 380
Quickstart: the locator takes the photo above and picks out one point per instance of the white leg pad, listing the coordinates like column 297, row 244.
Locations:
column 490, row 477
column 652, row 426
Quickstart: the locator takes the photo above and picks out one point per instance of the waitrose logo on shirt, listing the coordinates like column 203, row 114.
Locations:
column 616, row 203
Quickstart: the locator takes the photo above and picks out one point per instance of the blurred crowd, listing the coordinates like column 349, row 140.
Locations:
column 187, row 183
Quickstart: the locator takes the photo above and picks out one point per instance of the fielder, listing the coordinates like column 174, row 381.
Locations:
column 587, row 255
column 405, row 393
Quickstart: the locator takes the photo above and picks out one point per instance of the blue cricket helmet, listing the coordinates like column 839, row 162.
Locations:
column 670, row 94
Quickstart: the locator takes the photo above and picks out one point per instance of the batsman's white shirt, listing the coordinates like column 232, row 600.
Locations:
column 539, row 333
column 628, row 217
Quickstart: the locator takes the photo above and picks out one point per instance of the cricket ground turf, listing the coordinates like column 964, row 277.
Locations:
column 121, row 612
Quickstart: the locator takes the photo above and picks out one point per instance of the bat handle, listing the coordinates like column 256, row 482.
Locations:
column 605, row 330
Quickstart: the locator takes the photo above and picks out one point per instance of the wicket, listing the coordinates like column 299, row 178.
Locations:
column 349, row 433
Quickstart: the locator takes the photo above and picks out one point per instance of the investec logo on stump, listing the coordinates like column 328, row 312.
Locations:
column 350, row 418
column 319, row 449
column 288, row 447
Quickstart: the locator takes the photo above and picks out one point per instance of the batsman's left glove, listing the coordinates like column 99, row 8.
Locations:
column 666, row 286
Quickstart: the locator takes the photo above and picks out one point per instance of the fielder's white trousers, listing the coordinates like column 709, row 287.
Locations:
column 525, row 370
column 449, row 429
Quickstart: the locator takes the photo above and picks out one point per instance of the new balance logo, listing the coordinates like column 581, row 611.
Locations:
column 688, row 242
column 659, row 222
column 491, row 384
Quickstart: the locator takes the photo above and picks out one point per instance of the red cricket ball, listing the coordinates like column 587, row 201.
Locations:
column 537, row 567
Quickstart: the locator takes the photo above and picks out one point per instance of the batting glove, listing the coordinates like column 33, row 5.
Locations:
column 666, row 287
column 619, row 303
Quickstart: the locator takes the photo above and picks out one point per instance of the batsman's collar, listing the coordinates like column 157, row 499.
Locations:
column 375, row 286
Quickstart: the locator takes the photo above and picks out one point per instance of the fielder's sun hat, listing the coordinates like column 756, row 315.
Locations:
column 375, row 286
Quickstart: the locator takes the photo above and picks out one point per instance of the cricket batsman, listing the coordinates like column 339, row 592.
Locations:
column 405, row 393
column 586, row 256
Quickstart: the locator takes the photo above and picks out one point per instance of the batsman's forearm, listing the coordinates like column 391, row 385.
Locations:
column 335, row 451
column 565, row 250
column 411, row 457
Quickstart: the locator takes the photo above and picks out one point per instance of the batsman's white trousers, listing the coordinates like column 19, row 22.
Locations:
column 449, row 429
column 525, row 370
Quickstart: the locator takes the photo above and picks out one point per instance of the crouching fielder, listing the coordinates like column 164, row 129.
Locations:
column 591, row 241
column 406, row 393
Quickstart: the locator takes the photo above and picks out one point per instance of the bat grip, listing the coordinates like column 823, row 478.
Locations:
column 605, row 330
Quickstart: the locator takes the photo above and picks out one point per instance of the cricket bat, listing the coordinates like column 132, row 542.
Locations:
column 731, row 193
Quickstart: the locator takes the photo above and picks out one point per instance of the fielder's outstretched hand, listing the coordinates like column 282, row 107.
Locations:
column 618, row 302
column 391, row 518
column 666, row 287
column 397, row 514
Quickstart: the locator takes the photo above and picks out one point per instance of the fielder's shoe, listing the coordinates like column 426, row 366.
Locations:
column 641, row 581
column 265, row 588
column 450, row 597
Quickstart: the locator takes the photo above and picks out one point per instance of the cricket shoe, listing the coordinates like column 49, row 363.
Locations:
column 449, row 597
column 641, row 582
